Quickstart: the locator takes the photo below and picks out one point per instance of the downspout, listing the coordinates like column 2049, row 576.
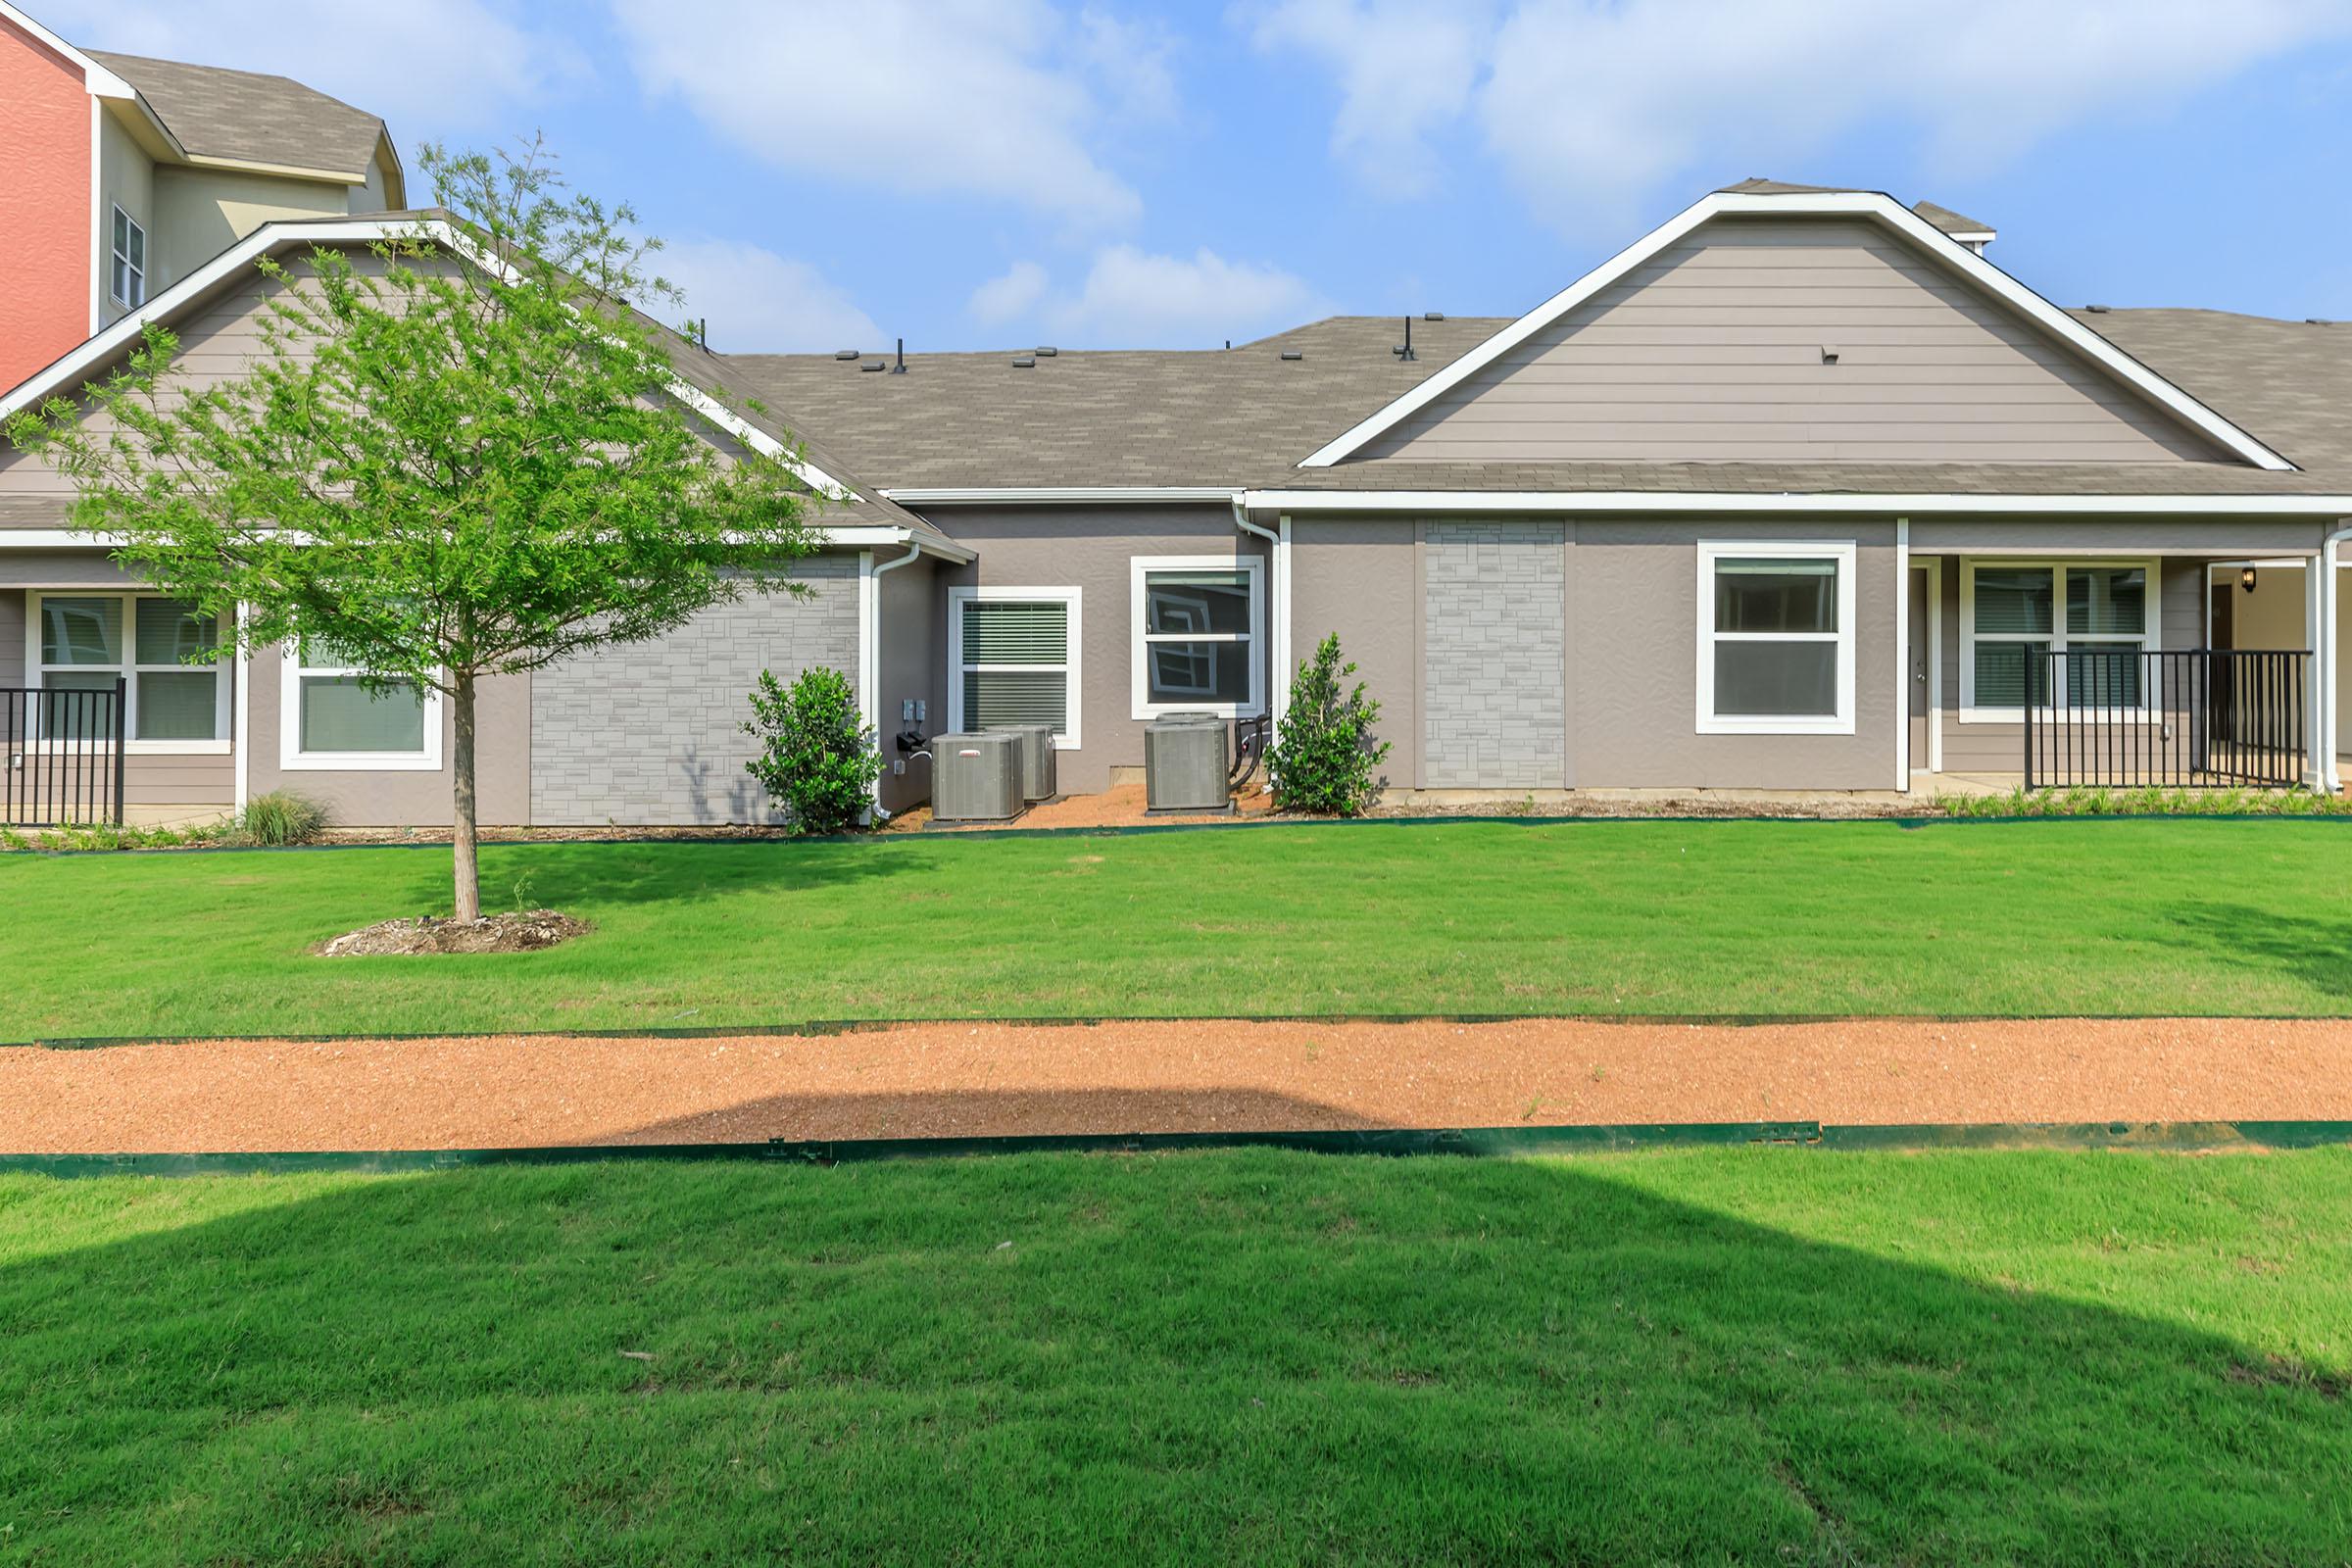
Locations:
column 869, row 649
column 1278, row 677
column 2324, row 710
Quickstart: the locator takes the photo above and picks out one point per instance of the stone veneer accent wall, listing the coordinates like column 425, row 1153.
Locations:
column 1493, row 654
column 651, row 734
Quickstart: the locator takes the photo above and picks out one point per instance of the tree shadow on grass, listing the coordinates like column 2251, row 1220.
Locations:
column 2316, row 951
column 1237, row 1358
column 679, row 870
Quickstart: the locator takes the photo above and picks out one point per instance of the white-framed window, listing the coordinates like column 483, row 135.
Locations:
column 2012, row 612
column 329, row 720
column 76, row 640
column 1776, row 637
column 1013, row 654
column 1196, row 643
column 127, row 278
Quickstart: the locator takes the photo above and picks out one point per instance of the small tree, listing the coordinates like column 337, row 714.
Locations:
column 465, row 460
column 1324, row 756
column 817, row 754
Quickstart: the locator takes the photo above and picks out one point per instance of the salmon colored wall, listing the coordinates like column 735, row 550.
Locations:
column 45, row 206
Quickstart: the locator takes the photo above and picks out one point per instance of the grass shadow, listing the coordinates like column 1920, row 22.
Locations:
column 1234, row 1357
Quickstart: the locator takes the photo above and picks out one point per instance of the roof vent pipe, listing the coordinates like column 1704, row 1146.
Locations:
column 1406, row 350
column 899, row 369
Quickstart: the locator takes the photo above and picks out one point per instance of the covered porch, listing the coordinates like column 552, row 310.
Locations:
column 2158, row 654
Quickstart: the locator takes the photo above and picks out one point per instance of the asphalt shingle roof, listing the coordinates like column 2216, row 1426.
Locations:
column 251, row 118
column 1245, row 417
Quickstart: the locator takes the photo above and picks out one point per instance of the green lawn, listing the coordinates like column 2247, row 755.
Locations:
column 1713, row 918
column 1770, row 1356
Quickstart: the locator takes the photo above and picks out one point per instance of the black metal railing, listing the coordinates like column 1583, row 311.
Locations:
column 2196, row 717
column 63, row 750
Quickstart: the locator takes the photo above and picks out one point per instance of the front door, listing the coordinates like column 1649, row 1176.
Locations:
column 1921, row 665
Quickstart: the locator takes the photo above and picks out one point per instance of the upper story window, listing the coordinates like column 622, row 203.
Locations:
column 129, row 273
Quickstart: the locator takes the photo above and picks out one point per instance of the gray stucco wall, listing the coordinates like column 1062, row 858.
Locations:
column 1090, row 549
column 1493, row 621
column 1355, row 576
column 912, row 644
column 1610, row 660
column 651, row 734
column 407, row 799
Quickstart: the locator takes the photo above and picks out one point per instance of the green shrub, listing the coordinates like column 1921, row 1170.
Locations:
column 1324, row 758
column 817, row 757
column 280, row 817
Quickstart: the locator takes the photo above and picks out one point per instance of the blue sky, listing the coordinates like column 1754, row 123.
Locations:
column 988, row 172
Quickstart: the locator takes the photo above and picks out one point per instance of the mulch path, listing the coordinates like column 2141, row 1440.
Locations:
column 962, row 1080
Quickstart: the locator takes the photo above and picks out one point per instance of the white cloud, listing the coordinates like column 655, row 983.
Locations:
column 1009, row 295
column 1134, row 299
column 430, row 67
column 1002, row 99
column 1590, row 108
column 1404, row 68
column 760, row 302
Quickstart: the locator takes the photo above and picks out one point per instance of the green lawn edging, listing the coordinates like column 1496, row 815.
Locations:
column 1476, row 1142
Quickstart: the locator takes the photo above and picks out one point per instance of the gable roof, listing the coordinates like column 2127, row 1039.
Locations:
column 1965, row 229
column 702, row 386
column 1875, row 206
column 246, row 117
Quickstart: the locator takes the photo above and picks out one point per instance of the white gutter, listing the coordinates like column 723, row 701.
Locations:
column 1278, row 678
column 1807, row 504
column 869, row 642
column 1055, row 495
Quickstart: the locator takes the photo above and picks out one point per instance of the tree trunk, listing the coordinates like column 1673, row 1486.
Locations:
column 463, row 852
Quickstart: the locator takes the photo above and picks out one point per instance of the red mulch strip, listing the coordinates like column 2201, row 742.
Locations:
column 963, row 1080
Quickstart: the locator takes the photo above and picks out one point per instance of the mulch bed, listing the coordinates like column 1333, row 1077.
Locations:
column 966, row 1080
column 517, row 931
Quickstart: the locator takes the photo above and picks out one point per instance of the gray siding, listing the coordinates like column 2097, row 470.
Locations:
column 651, row 734
column 1090, row 549
column 12, row 637
column 1493, row 631
column 1712, row 352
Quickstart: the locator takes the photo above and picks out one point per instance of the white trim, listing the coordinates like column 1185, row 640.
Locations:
column 1875, row 205
column 291, row 759
column 98, row 235
column 96, row 80
column 1139, row 641
column 2318, row 677
column 1932, row 565
column 1286, row 669
column 132, row 669
column 2150, row 638
column 1075, row 650
column 1902, row 655
column 1841, row 722
column 976, row 495
column 2318, row 508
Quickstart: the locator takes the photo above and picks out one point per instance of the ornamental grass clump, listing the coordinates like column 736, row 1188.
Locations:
column 1324, row 761
column 817, row 756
